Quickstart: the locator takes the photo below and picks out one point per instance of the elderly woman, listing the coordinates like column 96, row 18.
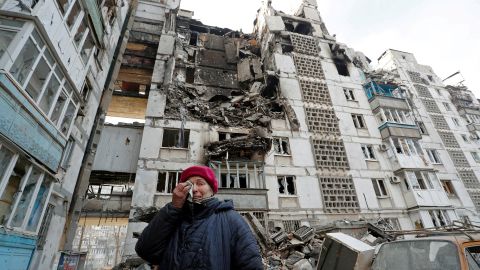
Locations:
column 199, row 231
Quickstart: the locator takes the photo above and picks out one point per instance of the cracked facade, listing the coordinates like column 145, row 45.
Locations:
column 298, row 127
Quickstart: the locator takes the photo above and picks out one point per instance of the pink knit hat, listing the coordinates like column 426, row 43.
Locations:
column 202, row 171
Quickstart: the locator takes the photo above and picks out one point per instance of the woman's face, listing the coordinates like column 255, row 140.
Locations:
column 201, row 188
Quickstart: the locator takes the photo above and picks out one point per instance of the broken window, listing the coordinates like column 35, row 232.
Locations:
column 73, row 14
column 67, row 153
column 434, row 156
column 38, row 78
column 397, row 146
column 358, row 121
column 342, row 67
column 447, row 106
column 448, row 187
column 59, row 106
column 63, row 5
column 422, row 127
column 78, row 37
column 475, row 156
column 455, row 121
column 47, row 100
column 69, row 116
column 42, row 233
column 177, row 138
column 6, row 37
column 286, row 185
column 7, row 199
column 167, row 181
column 86, row 90
column 26, row 197
column 38, row 204
column 23, row 65
column 87, row 49
column 464, row 137
column 281, row 146
column 349, row 94
column 368, row 152
column 379, row 187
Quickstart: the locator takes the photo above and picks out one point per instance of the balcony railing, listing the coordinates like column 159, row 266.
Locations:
column 239, row 174
column 373, row 89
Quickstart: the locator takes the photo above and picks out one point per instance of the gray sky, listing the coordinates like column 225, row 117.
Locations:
column 443, row 34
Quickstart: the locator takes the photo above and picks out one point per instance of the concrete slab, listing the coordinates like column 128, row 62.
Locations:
column 156, row 104
column 312, row 14
column 166, row 44
column 284, row 63
column 275, row 24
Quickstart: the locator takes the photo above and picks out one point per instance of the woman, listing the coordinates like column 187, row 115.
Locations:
column 201, row 232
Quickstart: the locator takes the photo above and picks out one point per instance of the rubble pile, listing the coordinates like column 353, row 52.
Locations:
column 300, row 249
column 296, row 250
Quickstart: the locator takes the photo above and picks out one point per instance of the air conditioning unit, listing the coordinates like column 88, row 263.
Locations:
column 394, row 179
column 383, row 147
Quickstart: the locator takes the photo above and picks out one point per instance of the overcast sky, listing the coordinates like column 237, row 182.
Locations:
column 444, row 34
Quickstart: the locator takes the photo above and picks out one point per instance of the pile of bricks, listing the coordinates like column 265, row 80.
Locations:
column 295, row 250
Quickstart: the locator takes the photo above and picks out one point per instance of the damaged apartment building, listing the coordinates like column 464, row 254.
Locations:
column 298, row 127
column 55, row 59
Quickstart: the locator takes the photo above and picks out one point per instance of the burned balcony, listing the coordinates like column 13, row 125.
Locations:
column 109, row 193
column 249, row 147
column 243, row 182
column 385, row 95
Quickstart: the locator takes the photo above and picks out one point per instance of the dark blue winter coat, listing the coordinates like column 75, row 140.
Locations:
column 208, row 236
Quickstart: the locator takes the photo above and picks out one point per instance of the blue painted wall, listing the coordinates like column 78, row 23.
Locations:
column 16, row 251
column 24, row 125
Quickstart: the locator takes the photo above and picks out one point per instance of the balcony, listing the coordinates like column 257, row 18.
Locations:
column 468, row 109
column 424, row 189
column 243, row 182
column 389, row 129
column 118, row 204
column 385, row 95
column 472, row 127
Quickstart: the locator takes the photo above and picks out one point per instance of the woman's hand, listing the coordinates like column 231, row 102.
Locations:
column 180, row 194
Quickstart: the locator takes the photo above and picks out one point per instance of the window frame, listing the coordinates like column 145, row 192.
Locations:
column 349, row 94
column 65, row 87
column 368, row 152
column 286, row 193
column 359, row 121
column 187, row 140
column 434, row 156
column 167, row 181
column 379, row 191
column 19, row 192
column 282, row 152
column 448, row 187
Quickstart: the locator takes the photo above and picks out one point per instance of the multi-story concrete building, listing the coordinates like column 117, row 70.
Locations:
column 55, row 59
column 298, row 127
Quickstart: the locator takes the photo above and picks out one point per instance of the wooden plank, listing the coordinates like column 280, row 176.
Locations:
column 136, row 75
column 127, row 107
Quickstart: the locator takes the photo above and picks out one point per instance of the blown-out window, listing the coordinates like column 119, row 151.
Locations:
column 24, row 192
column 286, row 185
column 36, row 70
